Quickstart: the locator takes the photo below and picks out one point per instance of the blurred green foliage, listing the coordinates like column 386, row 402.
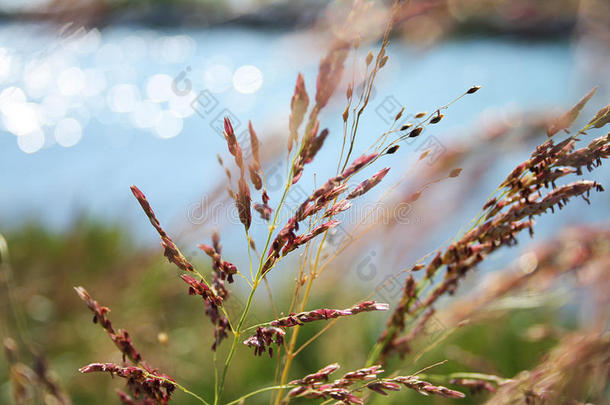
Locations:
column 147, row 298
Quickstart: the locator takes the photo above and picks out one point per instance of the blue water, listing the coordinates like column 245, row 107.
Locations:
column 79, row 72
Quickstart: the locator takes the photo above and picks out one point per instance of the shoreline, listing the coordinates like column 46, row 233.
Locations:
column 280, row 16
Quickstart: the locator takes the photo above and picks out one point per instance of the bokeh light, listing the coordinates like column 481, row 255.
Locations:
column 145, row 114
column 217, row 78
column 68, row 132
column 31, row 142
column 71, row 81
column 122, row 98
column 247, row 79
column 168, row 125
column 159, row 87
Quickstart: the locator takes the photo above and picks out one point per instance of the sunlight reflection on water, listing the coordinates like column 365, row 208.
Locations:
column 86, row 114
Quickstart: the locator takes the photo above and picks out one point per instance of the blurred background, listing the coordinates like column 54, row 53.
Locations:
column 98, row 95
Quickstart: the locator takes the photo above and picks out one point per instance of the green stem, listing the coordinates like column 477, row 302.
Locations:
column 461, row 375
column 256, row 281
column 191, row 393
column 249, row 256
column 180, row 387
column 276, row 387
column 234, row 345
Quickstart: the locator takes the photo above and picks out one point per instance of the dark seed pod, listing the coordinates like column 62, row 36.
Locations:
column 406, row 126
column 437, row 119
column 392, row 149
column 455, row 172
column 399, row 114
column 384, row 60
column 415, row 132
column 473, row 89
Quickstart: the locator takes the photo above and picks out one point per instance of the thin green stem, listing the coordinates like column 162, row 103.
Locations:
column 215, row 375
column 249, row 257
column 180, row 387
column 275, row 387
column 234, row 345
column 470, row 376
column 6, row 274
column 191, row 393
column 255, row 283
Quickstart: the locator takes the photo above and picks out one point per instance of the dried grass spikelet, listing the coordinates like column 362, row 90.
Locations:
column 149, row 387
column 337, row 208
column 172, row 252
column 255, row 178
column 233, row 145
column 223, row 270
column 301, row 240
column 601, row 118
column 214, row 295
column 326, row 314
column 524, row 197
column 575, row 371
column 120, row 338
column 144, row 382
column 287, row 240
column 368, row 184
column 590, row 156
column 426, row 388
column 566, row 120
column 472, row 248
column 264, row 209
column 402, row 345
column 263, row 338
column 242, row 197
column 319, row 376
column 20, row 375
column 298, row 108
column 357, row 165
column 476, row 386
column 255, row 168
column 202, row 289
column 254, row 144
column 583, row 251
column 242, row 202
column 312, row 143
column 27, row 382
column 330, row 72
column 318, row 386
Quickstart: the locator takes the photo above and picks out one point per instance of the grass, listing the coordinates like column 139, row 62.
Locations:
column 68, row 350
column 426, row 346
